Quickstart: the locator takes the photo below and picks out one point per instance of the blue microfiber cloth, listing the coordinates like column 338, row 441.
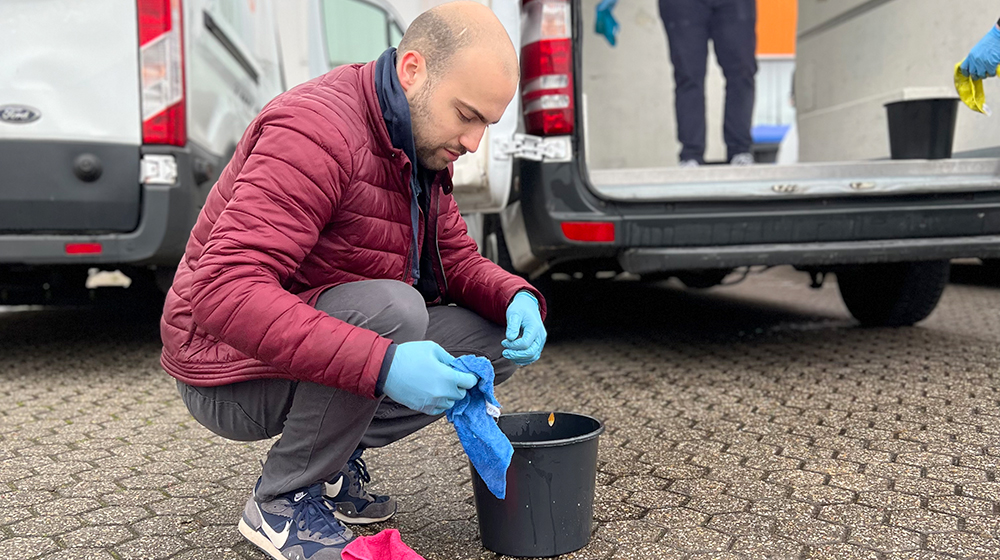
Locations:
column 474, row 418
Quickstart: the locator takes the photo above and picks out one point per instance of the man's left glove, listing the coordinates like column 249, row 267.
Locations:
column 984, row 58
column 525, row 331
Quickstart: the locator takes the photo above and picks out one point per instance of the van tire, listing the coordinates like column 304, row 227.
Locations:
column 893, row 294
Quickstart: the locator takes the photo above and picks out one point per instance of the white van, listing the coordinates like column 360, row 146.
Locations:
column 116, row 118
column 578, row 178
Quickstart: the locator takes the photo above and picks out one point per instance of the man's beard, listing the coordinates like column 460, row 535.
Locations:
column 420, row 121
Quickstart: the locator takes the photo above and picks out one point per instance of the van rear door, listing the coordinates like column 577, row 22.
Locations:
column 70, row 121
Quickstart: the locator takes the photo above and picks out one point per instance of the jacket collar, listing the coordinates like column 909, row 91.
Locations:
column 384, row 144
column 395, row 107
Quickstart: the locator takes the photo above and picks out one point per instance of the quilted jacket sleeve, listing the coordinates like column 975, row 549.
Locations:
column 283, row 196
column 474, row 281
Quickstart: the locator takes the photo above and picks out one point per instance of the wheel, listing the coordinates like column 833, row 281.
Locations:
column 892, row 294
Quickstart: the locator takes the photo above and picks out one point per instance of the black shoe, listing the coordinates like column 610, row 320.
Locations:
column 350, row 501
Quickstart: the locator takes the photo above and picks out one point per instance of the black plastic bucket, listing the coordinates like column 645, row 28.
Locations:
column 549, row 508
column 922, row 128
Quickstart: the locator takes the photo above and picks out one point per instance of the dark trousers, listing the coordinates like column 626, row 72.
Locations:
column 321, row 426
column 731, row 25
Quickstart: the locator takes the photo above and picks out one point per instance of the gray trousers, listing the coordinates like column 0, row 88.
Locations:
column 321, row 426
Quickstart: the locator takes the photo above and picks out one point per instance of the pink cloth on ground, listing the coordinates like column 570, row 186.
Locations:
column 386, row 545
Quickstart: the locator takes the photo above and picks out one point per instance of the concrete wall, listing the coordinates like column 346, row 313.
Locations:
column 856, row 55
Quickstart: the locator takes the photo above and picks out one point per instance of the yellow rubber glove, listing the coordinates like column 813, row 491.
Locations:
column 971, row 91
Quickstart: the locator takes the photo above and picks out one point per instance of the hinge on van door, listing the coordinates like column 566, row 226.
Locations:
column 534, row 148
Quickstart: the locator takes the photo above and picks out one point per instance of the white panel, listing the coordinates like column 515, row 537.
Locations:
column 77, row 63
column 813, row 13
column 848, row 71
column 482, row 181
column 222, row 97
column 774, row 91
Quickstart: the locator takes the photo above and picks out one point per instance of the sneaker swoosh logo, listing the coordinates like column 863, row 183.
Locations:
column 277, row 538
column 331, row 490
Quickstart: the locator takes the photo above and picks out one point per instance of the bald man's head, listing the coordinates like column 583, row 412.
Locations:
column 458, row 68
column 449, row 29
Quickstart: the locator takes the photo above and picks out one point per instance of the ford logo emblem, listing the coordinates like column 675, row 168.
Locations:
column 18, row 114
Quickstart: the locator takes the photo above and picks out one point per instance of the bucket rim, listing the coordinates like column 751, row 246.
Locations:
column 920, row 100
column 557, row 442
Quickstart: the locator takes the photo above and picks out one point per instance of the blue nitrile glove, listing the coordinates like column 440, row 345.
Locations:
column 421, row 378
column 984, row 58
column 525, row 331
column 606, row 24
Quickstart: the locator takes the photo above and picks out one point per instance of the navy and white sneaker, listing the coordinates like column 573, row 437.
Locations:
column 295, row 526
column 349, row 499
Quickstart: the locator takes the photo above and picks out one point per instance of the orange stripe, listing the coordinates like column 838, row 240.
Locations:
column 776, row 24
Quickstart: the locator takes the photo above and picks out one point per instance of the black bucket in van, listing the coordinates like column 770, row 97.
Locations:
column 922, row 128
column 549, row 507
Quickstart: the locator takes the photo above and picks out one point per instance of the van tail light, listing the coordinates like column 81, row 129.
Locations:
column 547, row 67
column 161, row 63
column 591, row 232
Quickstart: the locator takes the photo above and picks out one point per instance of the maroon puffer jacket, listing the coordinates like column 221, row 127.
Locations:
column 315, row 196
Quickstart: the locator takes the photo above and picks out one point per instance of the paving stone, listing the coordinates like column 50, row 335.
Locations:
column 717, row 504
column 841, row 552
column 80, row 554
column 781, row 441
column 832, row 466
column 917, row 555
column 923, row 521
column 45, row 526
column 960, row 505
column 650, row 499
column 676, row 517
column 964, row 545
column 765, row 546
column 884, row 539
column 26, row 547
column 985, row 490
column 889, row 499
column 630, row 532
column 648, row 550
column 696, row 539
column 97, row 535
column 924, row 487
column 823, row 495
column 144, row 548
column 852, row 514
column 955, row 474
column 811, row 531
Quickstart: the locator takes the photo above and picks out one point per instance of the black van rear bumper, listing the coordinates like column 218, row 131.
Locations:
column 652, row 237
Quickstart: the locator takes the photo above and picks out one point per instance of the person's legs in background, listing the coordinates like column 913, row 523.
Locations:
column 733, row 31
column 687, row 26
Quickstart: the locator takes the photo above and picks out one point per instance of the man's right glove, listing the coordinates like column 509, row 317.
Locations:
column 606, row 24
column 984, row 58
column 421, row 378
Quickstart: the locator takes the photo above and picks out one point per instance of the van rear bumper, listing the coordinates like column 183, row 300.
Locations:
column 648, row 260
column 167, row 213
column 671, row 236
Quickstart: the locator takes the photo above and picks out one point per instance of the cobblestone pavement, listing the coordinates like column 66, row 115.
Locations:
column 751, row 421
